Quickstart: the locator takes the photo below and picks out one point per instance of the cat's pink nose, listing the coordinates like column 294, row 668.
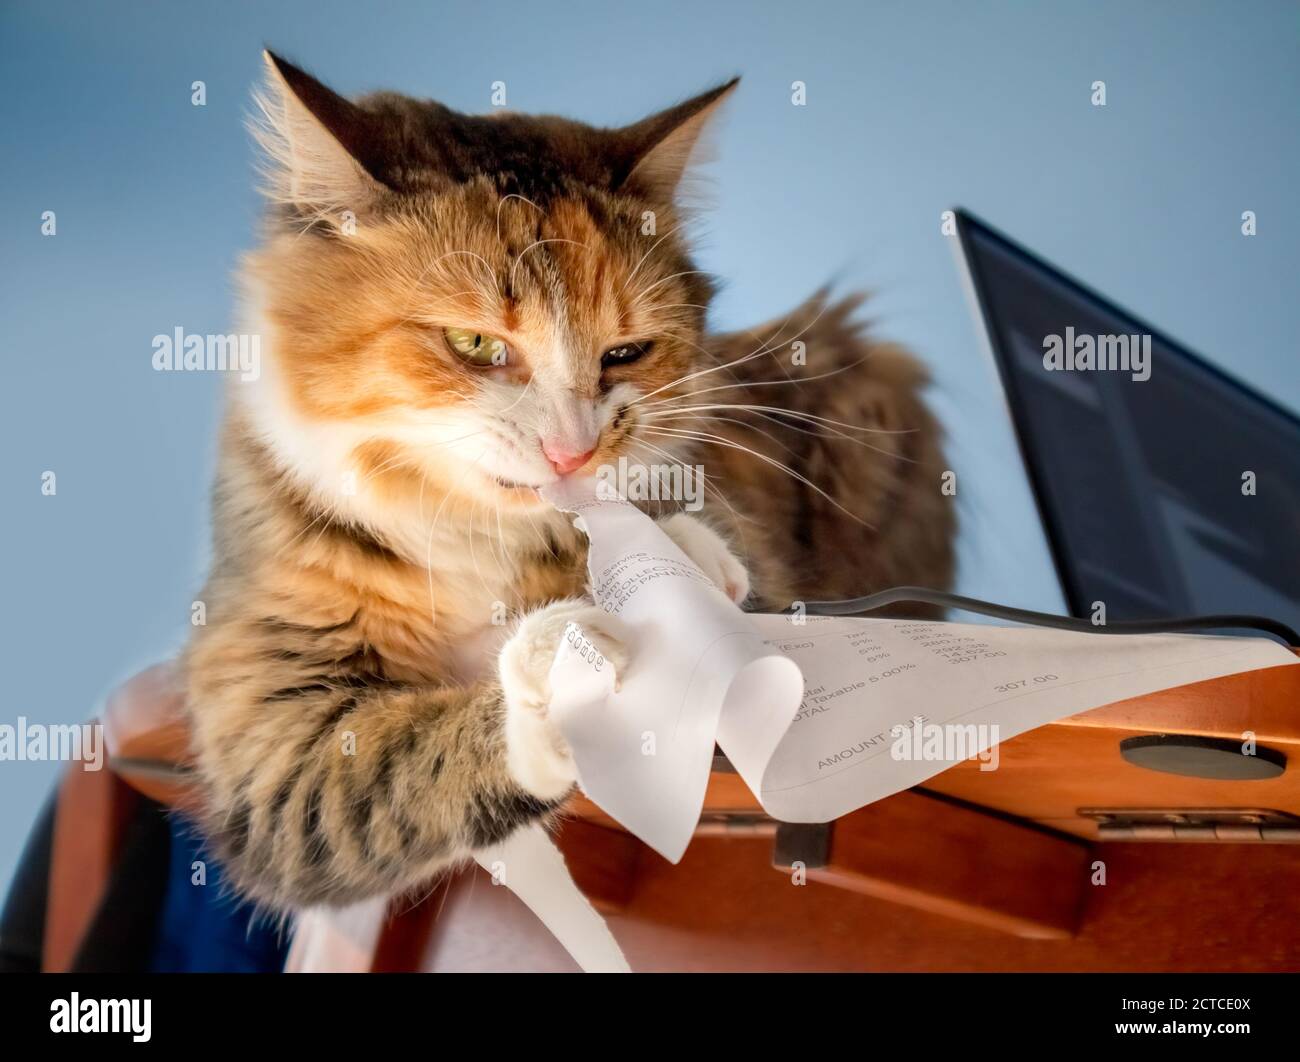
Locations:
column 564, row 461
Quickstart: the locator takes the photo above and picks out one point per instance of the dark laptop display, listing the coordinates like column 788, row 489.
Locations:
column 1166, row 487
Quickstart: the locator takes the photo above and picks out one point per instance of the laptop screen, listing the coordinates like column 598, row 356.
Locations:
column 1166, row 488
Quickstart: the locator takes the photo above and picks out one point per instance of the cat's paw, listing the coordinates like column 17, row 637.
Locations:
column 710, row 552
column 536, row 753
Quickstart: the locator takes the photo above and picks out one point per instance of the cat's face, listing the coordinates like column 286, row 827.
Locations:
column 490, row 303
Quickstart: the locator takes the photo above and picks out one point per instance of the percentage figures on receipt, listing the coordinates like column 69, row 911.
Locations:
column 889, row 673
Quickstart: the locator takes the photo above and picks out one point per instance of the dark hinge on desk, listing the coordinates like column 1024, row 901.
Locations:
column 1253, row 825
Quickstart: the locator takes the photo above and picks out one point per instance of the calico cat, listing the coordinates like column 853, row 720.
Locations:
column 454, row 310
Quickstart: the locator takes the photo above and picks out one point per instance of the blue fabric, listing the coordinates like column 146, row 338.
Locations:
column 203, row 928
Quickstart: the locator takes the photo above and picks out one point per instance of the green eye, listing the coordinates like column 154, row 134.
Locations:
column 475, row 347
column 625, row 353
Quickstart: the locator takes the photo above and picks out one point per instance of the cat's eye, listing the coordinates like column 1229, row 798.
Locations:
column 624, row 354
column 476, row 347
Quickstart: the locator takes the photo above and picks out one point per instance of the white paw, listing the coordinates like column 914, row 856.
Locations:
column 710, row 552
column 536, row 753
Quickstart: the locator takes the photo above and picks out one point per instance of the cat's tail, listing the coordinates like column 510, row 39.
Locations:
column 826, row 462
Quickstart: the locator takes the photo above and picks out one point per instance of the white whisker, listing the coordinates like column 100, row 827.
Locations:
column 759, row 352
column 763, row 383
column 720, row 441
column 672, row 276
column 535, row 243
column 823, row 433
column 513, row 195
column 641, row 260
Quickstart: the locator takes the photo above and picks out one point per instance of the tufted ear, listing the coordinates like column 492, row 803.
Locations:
column 323, row 153
column 662, row 147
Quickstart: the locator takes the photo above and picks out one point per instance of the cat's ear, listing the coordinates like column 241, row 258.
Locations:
column 322, row 151
column 661, row 148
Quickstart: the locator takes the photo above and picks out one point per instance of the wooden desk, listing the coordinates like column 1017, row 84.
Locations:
column 975, row 870
column 1008, row 849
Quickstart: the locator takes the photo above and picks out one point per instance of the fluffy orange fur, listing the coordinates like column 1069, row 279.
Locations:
column 376, row 528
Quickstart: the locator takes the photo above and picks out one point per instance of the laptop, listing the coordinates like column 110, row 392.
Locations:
column 1166, row 488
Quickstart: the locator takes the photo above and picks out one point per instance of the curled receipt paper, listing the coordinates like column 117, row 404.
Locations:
column 820, row 716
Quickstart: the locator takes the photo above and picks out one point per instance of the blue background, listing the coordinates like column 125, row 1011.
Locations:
column 912, row 108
